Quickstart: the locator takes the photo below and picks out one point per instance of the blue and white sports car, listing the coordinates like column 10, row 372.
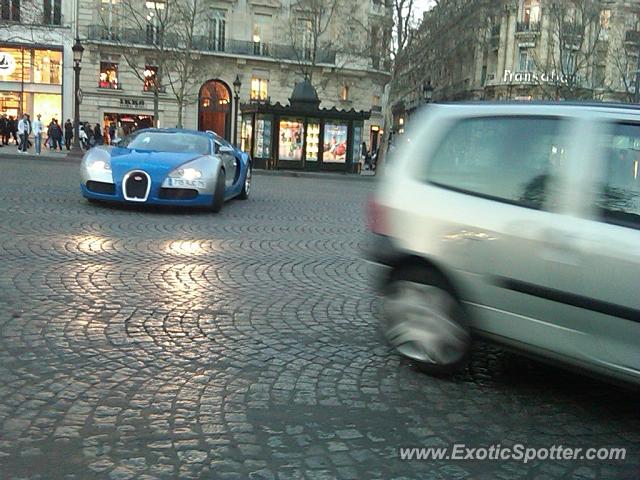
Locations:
column 167, row 167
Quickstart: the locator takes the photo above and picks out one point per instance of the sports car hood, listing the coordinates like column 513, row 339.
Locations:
column 156, row 164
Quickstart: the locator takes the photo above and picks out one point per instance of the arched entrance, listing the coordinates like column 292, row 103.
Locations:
column 214, row 108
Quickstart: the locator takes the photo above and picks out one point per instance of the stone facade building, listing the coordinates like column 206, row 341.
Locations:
column 267, row 45
column 36, row 62
column 519, row 50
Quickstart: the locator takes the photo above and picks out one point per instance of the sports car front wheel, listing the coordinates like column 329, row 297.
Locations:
column 218, row 194
column 246, row 188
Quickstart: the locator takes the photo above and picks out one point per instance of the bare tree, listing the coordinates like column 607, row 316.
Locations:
column 185, row 73
column 623, row 54
column 575, row 30
column 143, row 33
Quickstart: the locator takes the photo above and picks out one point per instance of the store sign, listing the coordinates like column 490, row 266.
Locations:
column 131, row 103
column 538, row 78
column 7, row 64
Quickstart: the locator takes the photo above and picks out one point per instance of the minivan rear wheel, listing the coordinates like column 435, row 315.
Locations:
column 425, row 322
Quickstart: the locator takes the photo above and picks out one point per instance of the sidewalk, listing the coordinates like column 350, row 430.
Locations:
column 11, row 151
column 364, row 176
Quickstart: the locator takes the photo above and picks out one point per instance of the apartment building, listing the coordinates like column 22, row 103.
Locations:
column 261, row 48
column 520, row 50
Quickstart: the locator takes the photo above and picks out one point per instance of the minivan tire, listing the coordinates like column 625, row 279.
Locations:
column 425, row 322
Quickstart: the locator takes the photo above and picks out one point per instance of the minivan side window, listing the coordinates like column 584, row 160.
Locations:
column 618, row 195
column 508, row 159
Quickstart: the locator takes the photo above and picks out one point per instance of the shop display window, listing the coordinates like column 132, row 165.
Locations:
column 263, row 136
column 335, row 143
column 313, row 140
column 47, row 67
column 291, row 139
column 15, row 65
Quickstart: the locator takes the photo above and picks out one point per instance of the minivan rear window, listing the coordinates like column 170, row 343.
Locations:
column 508, row 159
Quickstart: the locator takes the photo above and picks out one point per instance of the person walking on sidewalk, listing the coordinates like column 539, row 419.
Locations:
column 68, row 133
column 4, row 130
column 97, row 134
column 23, row 133
column 38, row 127
column 56, row 132
column 13, row 128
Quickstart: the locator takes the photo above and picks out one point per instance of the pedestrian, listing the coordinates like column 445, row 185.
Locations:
column 50, row 136
column 68, row 133
column 29, row 144
column 38, row 127
column 56, row 131
column 97, row 133
column 89, row 131
column 4, row 130
column 23, row 132
column 84, row 140
column 112, row 132
column 120, row 131
column 13, row 129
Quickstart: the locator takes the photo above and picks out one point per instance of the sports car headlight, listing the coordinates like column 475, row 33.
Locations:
column 186, row 173
column 100, row 165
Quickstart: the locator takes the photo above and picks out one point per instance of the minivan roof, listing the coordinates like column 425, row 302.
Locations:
column 541, row 103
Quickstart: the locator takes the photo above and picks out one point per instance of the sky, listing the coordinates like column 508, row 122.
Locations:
column 421, row 6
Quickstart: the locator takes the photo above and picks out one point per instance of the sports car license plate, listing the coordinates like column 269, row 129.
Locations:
column 183, row 183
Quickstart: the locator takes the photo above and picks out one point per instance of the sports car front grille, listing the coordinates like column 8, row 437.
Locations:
column 178, row 193
column 101, row 187
column 136, row 186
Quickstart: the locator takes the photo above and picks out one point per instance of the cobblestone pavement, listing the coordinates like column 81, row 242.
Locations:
column 163, row 344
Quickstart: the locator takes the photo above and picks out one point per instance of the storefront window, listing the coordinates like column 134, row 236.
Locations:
column 356, row 150
column 291, row 136
column 108, row 75
column 48, row 105
column 313, row 140
column 13, row 63
column 335, row 143
column 10, row 104
column 245, row 134
column 263, row 136
column 47, row 67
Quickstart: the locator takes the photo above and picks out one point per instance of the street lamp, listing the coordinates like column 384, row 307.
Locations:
column 77, row 59
column 236, row 95
column 427, row 92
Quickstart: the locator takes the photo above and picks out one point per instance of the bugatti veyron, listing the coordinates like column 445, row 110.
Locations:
column 167, row 167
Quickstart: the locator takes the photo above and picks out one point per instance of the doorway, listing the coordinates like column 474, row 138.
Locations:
column 214, row 108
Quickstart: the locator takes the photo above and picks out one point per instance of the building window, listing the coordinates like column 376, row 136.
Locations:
column 154, row 26
column 526, row 60
column 52, row 12
column 47, row 67
column 531, row 12
column 109, row 75
column 150, row 78
column 605, row 19
column 110, row 17
column 305, row 38
column 568, row 62
column 11, row 10
column 344, row 93
column 261, row 34
column 259, row 89
column 217, row 28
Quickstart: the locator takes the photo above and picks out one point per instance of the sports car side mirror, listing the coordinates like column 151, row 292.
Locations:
column 225, row 149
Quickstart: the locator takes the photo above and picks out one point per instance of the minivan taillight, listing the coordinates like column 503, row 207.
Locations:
column 376, row 216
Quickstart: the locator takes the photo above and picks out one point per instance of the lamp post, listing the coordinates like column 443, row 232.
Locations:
column 236, row 95
column 77, row 59
column 427, row 92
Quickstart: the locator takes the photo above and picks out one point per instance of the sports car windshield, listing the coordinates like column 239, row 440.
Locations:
column 177, row 142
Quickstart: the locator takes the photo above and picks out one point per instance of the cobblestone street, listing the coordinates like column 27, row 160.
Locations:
column 139, row 343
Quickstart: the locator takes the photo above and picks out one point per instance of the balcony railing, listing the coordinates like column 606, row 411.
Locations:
column 632, row 37
column 206, row 44
column 528, row 27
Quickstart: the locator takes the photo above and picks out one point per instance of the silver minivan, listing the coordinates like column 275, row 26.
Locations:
column 516, row 222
